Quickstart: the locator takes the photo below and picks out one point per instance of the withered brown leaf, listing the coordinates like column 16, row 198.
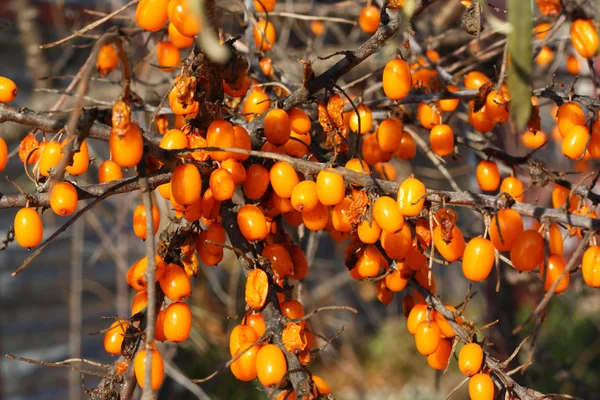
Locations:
column 358, row 208
column 447, row 220
column 335, row 109
column 324, row 119
column 481, row 96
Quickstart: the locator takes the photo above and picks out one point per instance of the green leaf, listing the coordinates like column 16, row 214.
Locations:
column 521, row 62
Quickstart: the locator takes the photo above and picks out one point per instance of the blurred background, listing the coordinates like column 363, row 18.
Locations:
column 51, row 310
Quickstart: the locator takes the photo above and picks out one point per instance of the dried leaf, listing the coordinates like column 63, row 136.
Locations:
column 447, row 220
column 195, row 141
column 423, row 233
column 358, row 208
column 308, row 71
column 394, row 4
column 324, row 118
column 335, row 108
column 121, row 116
column 162, row 123
column 481, row 96
column 190, row 264
column 534, row 123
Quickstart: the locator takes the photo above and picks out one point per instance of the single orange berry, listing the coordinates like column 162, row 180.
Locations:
column 528, row 251
column 584, row 37
column 252, row 223
column 427, row 337
column 180, row 41
column 151, row 15
column 50, row 158
column 590, row 266
column 257, row 102
column 140, row 301
column 271, row 365
column 496, row 105
column 244, row 368
column 513, row 186
column 186, row 184
column 389, row 134
column 28, row 228
column 257, row 181
column 158, row 368
column 428, row 116
column 387, row 214
column 257, row 288
column 475, row 79
column 8, row 90
column 222, row 184
column 439, row 359
column 556, row 266
column 27, row 148
column 411, row 197
column 277, row 126
column 280, row 260
column 441, row 139
column 488, row 176
column 183, row 18
column 299, row 121
column 256, row 321
column 139, row 221
column 478, row 259
column 167, row 55
column 368, row 231
column 175, row 283
column 331, row 187
column 449, row 105
column 368, row 20
column 113, row 338
column 220, row 133
column 3, row 154
column 63, row 199
column 315, row 219
column 304, row 196
column 533, row 140
column 397, row 80
column 575, row 142
column 452, row 250
column 364, row 116
column 470, row 359
column 506, row 226
column 283, row 179
column 178, row 322
column 127, row 147
column 81, row 160
column 572, row 64
column 398, row 245
column 264, row 35
column 481, row 387
column 107, row 59
column 264, row 5
column 480, row 120
column 407, row 148
column 298, row 145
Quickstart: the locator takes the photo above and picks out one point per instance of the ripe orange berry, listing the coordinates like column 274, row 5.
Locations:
column 411, row 197
column 556, row 266
column 496, row 106
column 387, row 215
column 28, row 228
column 368, row 20
column 175, row 283
column 453, row 250
column 180, row 41
column 256, row 321
column 427, row 337
column 368, row 232
column 488, row 176
column 478, row 259
column 572, row 64
column 298, row 145
column 304, row 196
column 220, row 133
column 257, row 102
column 151, row 15
column 584, row 37
column 533, row 140
column 513, row 186
column 438, row 360
column 481, row 387
column 576, row 140
column 545, row 56
column 264, row 5
column 239, row 335
column 417, row 315
column 107, row 60
column 331, row 187
column 315, row 219
column 427, row 116
column 158, row 368
column 63, row 199
column 136, row 276
column 317, row 28
column 182, row 17
column 569, row 115
column 470, row 359
column 511, row 226
column 441, row 139
column 445, row 328
column 480, row 120
column 339, row 216
column 50, row 158
column 397, row 245
column 359, row 166
column 475, row 79
column 594, row 145
column 590, row 266
column 3, row 154
column 26, row 146
column 140, row 301
column 81, row 160
column 407, row 148
column 292, row 309
column 167, row 55
column 371, row 151
column 449, row 105
column 222, row 184
column 271, row 365
column 264, row 35
column 299, row 121
column 320, row 385
column 257, row 181
column 528, row 251
column 280, row 260
column 364, row 116
column 139, row 221
column 178, row 322
column 384, row 295
column 277, row 126
column 283, row 179
column 252, row 223
column 186, row 184
column 174, row 139
column 236, row 169
column 8, row 90
column 113, row 338
column 127, row 147
column 244, row 368
column 389, row 134
column 241, row 141
column 396, row 79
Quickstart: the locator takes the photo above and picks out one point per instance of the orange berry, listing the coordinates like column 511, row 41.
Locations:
column 480, row 120
column 411, row 197
column 180, row 41
column 63, row 199
column 441, row 139
column 453, row 250
column 81, row 160
column 317, row 28
column 496, row 106
column 257, row 102
column 368, row 20
column 427, row 116
column 569, row 115
column 178, row 322
column 528, row 251
column 139, row 221
column 488, row 176
column 140, row 301
column 300, row 265
column 556, row 266
column 389, row 134
column 137, row 272
column 238, row 90
column 107, row 59
column 257, row 323
column 280, row 260
column 109, row 171
column 298, row 145
column 511, row 226
column 175, row 283
column 28, row 228
column 369, row 232
column 241, row 141
column 407, row 148
column 321, row 386
column 186, row 184
column 3, row 154
column 449, row 105
column 481, row 387
column 438, row 360
column 397, row 245
column 396, row 79
column 427, row 337
column 299, row 121
column 158, row 369
column 126, row 147
column 283, row 179
column 339, row 216
column 417, row 315
column 220, row 133
column 271, row 365
column 257, row 288
column 576, row 140
column 513, row 186
column 445, row 328
column 387, row 215
column 584, row 37
column 331, row 188
column 277, row 126
column 257, row 181
column 316, row 219
column 183, row 19
column 384, row 295
column 8, row 90
column 244, row 368
column 478, row 259
column 395, row 281
column 50, row 158
column 167, row 56
column 174, row 139
column 470, row 359
column 239, row 335
column 475, row 79
column 151, row 15
column 113, row 338
column 236, row 169
column 264, row 5
column 533, row 140
column 304, row 196
column 252, row 223
column 594, row 145
column 359, row 166
column 264, row 35
column 590, row 266
column 222, row 184
column 572, row 64
column 364, row 116
column 292, row 309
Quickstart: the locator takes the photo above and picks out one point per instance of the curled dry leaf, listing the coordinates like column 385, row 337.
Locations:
column 394, row 4
column 189, row 245
column 447, row 220
column 335, row 109
column 324, row 118
column 190, row 264
column 423, row 233
column 257, row 287
column 195, row 141
column 481, row 96
column 121, row 117
column 358, row 208
column 162, row 123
